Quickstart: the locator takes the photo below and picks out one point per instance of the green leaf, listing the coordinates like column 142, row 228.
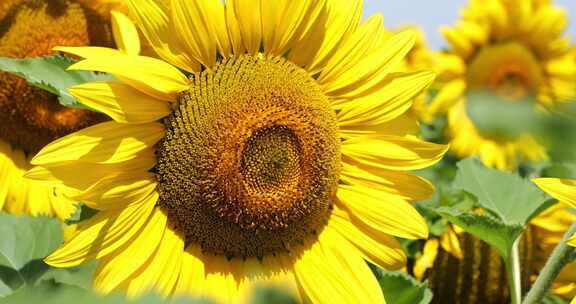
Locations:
column 25, row 239
column 4, row 289
column 49, row 73
column 80, row 276
column 400, row 288
column 511, row 198
column 485, row 227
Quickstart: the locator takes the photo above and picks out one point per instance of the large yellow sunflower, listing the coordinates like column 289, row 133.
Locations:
column 29, row 117
column 515, row 49
column 268, row 146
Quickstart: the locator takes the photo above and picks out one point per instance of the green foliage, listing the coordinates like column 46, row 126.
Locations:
column 49, row 73
column 24, row 242
column 485, row 227
column 25, row 239
column 512, row 199
column 400, row 288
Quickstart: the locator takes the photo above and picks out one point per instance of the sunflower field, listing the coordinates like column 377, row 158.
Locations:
column 286, row 151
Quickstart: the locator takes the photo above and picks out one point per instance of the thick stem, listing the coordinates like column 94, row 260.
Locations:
column 562, row 255
column 513, row 273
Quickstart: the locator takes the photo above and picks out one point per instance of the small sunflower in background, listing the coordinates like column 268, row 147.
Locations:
column 30, row 117
column 515, row 50
column 474, row 271
column 263, row 148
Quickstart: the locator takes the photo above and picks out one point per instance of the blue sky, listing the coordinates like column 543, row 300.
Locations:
column 430, row 14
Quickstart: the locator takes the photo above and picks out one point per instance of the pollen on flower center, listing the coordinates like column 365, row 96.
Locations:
column 250, row 162
column 509, row 69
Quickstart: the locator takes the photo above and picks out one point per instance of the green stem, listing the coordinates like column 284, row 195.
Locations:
column 513, row 273
column 562, row 255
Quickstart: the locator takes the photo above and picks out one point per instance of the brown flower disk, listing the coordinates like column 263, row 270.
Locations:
column 30, row 117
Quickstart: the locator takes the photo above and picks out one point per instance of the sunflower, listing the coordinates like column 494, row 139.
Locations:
column 474, row 271
column 268, row 145
column 29, row 117
column 514, row 49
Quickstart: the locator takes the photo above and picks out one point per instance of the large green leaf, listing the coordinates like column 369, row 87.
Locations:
column 24, row 242
column 49, row 73
column 485, row 227
column 25, row 239
column 512, row 199
column 4, row 289
column 400, row 288
column 80, row 276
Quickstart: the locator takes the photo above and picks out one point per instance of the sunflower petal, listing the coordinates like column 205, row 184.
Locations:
column 392, row 152
column 360, row 43
column 154, row 23
column 201, row 25
column 103, row 234
column 120, row 265
column 105, row 143
column 125, row 34
column 383, row 212
column 378, row 248
column 563, row 190
column 89, row 51
column 285, row 21
column 366, row 74
column 249, row 17
column 336, row 22
column 390, row 101
column 120, row 102
column 149, row 75
column 118, row 191
column 67, row 173
column 163, row 268
column 405, row 185
column 333, row 269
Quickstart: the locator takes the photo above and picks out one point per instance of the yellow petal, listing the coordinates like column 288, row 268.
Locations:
column 405, row 185
column 393, row 99
column 118, row 191
column 249, row 17
column 563, row 190
column 284, row 22
column 89, row 51
column 149, row 75
column 403, row 125
column 103, row 234
column 392, row 152
column 426, row 261
column 67, row 173
column 154, row 23
column 125, row 33
column 121, row 265
column 233, row 28
column 162, row 270
column 459, row 42
column 448, row 96
column 335, row 24
column 383, row 212
column 202, row 26
column 450, row 243
column 362, row 42
column 105, row 143
column 366, row 74
column 572, row 240
column 333, row 269
column 120, row 102
column 378, row 248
